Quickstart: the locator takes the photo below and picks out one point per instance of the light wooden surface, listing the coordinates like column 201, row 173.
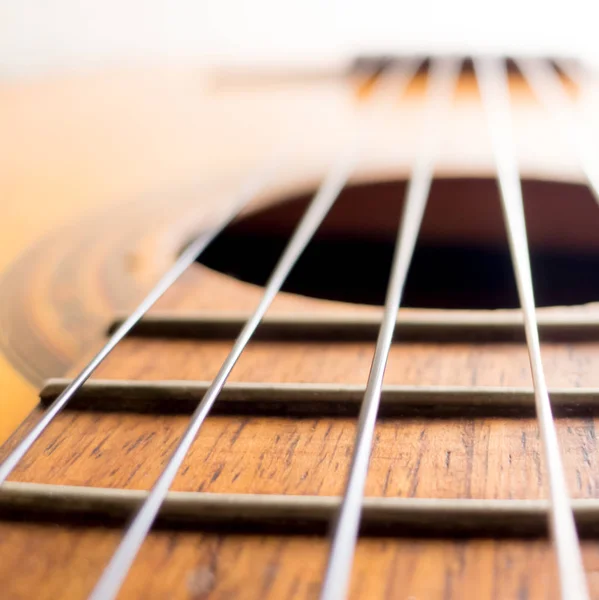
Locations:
column 91, row 160
column 75, row 144
column 80, row 144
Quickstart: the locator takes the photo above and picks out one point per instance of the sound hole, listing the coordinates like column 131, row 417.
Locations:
column 462, row 258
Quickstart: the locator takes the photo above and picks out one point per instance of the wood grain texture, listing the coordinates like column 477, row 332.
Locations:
column 156, row 140
column 412, row 457
column 202, row 566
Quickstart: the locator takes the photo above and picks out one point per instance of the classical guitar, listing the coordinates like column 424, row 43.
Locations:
column 334, row 337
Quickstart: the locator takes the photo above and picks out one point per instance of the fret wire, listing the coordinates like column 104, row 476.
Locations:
column 248, row 191
column 443, row 76
column 493, row 84
column 323, row 399
column 546, row 85
column 117, row 569
column 487, row 326
column 382, row 516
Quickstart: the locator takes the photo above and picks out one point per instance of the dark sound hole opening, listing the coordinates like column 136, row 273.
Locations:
column 462, row 258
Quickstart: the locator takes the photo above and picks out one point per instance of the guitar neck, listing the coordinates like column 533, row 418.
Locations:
column 239, row 434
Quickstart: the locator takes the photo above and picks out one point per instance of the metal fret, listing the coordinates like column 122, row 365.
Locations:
column 547, row 86
column 425, row 326
column 493, row 84
column 443, row 76
column 187, row 258
column 317, row 399
column 296, row 514
column 380, row 516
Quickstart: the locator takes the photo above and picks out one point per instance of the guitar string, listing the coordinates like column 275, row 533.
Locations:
column 441, row 85
column 171, row 275
column 113, row 576
column 249, row 190
column 546, row 85
column 119, row 565
column 493, row 84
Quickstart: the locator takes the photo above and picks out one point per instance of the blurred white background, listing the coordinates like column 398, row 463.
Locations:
column 38, row 36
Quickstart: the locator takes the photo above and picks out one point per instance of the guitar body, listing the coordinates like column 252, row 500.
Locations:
column 118, row 172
